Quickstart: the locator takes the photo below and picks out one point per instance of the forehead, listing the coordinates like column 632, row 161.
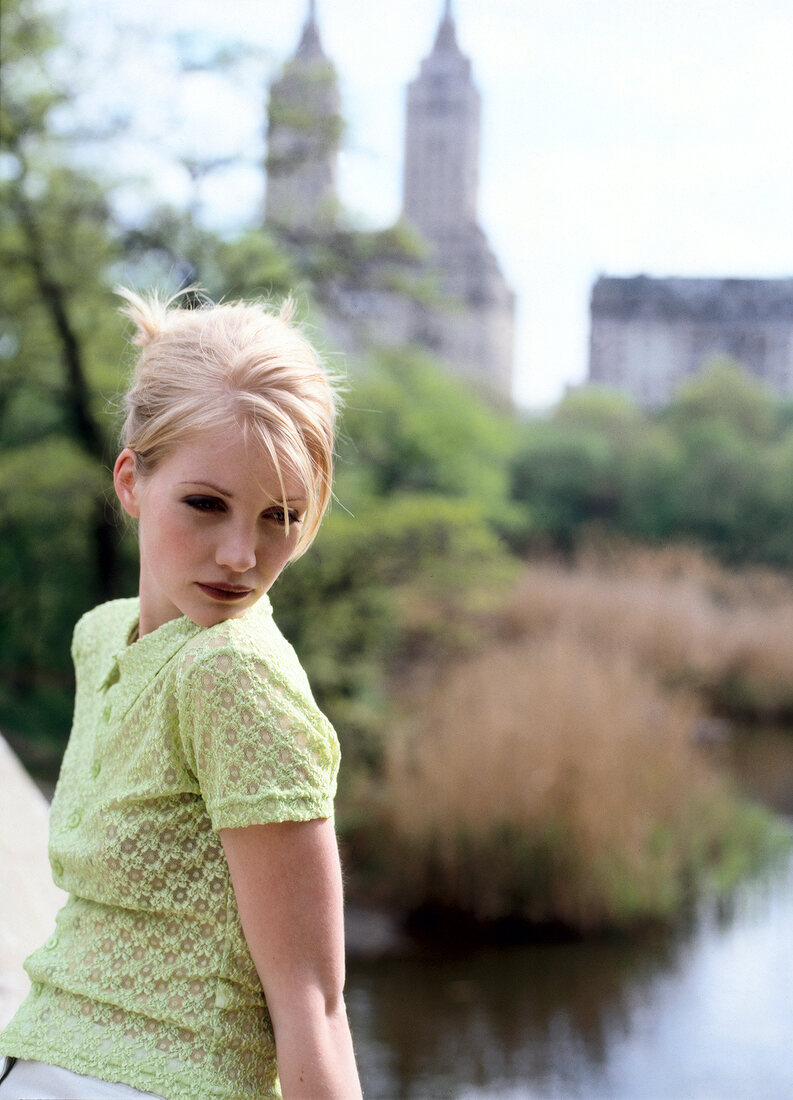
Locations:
column 228, row 461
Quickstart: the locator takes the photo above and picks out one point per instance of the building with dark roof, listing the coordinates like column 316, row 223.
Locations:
column 648, row 335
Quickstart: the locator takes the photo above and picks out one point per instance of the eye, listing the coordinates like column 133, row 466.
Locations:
column 205, row 504
column 279, row 515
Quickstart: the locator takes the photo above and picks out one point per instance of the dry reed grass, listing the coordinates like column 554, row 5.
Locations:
column 554, row 775
column 577, row 752
column 688, row 619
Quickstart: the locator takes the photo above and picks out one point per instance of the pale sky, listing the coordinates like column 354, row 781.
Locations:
column 618, row 136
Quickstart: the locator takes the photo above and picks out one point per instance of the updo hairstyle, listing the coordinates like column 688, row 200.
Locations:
column 236, row 365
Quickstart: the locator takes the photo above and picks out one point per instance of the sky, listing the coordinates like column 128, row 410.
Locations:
column 618, row 136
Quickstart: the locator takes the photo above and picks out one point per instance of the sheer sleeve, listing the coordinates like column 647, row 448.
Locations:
column 260, row 748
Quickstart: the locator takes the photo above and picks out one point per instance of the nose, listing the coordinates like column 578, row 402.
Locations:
column 236, row 550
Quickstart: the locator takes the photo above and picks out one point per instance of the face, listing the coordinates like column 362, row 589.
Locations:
column 212, row 528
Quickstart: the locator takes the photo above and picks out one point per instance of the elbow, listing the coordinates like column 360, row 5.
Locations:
column 308, row 1007
column 329, row 1003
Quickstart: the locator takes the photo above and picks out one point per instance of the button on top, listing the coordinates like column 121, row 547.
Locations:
column 107, row 712
column 96, row 768
column 73, row 820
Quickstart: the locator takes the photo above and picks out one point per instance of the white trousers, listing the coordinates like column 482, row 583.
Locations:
column 38, row 1081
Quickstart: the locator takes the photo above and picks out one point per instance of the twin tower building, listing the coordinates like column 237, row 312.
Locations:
column 467, row 317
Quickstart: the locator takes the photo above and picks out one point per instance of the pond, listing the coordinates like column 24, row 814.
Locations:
column 704, row 1014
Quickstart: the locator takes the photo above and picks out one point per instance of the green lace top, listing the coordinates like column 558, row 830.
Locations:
column 147, row 979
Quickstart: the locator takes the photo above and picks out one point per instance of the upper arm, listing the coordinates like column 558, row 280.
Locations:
column 287, row 881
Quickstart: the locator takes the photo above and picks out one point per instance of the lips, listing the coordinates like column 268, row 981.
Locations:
column 226, row 593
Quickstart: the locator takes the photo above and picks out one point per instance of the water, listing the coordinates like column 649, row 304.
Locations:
column 705, row 1014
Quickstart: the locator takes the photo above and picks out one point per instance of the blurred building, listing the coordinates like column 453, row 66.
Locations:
column 648, row 335
column 465, row 313
column 303, row 131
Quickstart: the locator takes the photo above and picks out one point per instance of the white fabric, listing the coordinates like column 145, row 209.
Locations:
column 37, row 1081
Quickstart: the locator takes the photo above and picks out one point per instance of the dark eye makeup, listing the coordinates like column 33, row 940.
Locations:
column 214, row 504
column 205, row 504
column 279, row 515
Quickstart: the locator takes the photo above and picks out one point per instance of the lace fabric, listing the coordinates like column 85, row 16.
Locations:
column 147, row 978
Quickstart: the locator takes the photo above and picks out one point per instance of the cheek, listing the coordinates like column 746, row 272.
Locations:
column 277, row 551
column 170, row 538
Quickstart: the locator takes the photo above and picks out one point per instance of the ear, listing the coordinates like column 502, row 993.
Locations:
column 125, row 479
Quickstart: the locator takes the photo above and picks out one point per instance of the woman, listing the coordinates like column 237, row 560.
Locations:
column 200, row 953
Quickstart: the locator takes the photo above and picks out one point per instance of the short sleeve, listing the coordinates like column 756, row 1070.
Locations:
column 259, row 746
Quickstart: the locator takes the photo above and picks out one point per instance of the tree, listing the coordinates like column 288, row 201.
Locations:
column 60, row 348
column 724, row 391
column 410, row 427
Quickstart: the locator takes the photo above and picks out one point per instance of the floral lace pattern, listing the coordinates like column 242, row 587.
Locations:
column 147, row 978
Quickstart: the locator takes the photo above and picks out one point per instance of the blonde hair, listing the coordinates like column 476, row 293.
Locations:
column 239, row 365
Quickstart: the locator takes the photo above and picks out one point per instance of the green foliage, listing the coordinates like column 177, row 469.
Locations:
column 731, row 491
column 59, row 351
column 53, row 248
column 48, row 502
column 28, row 94
column 409, row 426
column 58, row 344
column 725, row 393
column 567, row 478
column 169, row 250
column 599, row 409
column 253, row 263
column 713, row 467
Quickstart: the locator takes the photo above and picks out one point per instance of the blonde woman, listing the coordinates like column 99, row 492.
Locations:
column 200, row 952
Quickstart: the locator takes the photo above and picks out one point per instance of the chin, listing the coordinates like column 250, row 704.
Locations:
column 212, row 617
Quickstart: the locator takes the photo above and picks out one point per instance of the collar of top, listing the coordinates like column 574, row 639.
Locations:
column 140, row 661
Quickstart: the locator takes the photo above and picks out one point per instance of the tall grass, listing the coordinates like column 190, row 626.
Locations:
column 553, row 776
column 728, row 634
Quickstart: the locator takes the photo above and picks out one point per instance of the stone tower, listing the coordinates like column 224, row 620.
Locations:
column 441, row 173
column 469, row 322
column 303, row 132
column 475, row 333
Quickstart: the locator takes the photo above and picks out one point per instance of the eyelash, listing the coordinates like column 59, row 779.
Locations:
column 211, row 504
column 279, row 515
column 205, row 504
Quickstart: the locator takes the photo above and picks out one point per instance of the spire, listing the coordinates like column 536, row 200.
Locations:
column 441, row 176
column 446, row 39
column 304, row 125
column 310, row 48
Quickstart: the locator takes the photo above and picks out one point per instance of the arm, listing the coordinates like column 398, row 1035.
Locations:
column 287, row 880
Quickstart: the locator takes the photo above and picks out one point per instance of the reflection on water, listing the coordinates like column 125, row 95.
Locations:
column 763, row 763
column 432, row 1026
column 704, row 1015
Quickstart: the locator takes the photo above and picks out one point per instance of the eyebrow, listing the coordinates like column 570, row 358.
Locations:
column 209, row 485
column 227, row 492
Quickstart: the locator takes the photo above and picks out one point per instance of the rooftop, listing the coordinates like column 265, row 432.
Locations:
column 644, row 297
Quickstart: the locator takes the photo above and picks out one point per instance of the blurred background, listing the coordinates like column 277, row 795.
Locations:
column 551, row 611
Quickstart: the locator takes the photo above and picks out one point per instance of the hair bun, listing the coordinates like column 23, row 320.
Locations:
column 148, row 314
